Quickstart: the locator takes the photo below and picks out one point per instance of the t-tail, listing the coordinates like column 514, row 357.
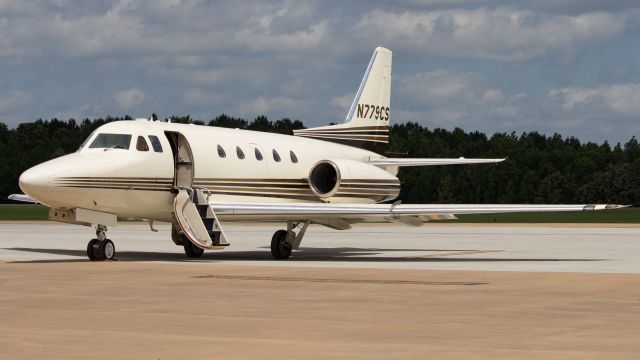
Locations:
column 367, row 123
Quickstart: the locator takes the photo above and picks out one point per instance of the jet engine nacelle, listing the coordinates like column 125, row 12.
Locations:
column 345, row 180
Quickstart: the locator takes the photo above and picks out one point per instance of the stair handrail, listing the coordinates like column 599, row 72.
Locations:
column 188, row 190
column 206, row 190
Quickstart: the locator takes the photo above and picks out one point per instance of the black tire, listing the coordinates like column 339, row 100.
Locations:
column 192, row 250
column 92, row 251
column 107, row 250
column 280, row 250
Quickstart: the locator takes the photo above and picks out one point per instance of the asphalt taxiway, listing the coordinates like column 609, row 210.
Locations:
column 562, row 291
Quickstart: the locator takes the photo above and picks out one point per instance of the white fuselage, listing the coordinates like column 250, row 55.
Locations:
column 134, row 183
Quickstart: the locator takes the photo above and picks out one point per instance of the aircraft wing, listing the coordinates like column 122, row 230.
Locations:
column 340, row 216
column 397, row 162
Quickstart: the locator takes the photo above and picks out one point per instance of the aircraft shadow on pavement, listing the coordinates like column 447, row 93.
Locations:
column 347, row 254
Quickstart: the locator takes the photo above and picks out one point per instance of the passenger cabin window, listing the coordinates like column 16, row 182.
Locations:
column 276, row 156
column 221, row 152
column 155, row 143
column 294, row 158
column 141, row 144
column 239, row 152
column 111, row 141
column 258, row 154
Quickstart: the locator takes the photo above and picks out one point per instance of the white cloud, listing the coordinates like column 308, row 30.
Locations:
column 343, row 102
column 298, row 40
column 199, row 98
column 14, row 99
column 129, row 98
column 623, row 99
column 496, row 34
column 159, row 28
column 279, row 105
column 439, row 85
column 493, row 95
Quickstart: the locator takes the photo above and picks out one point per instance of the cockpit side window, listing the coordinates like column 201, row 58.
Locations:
column 155, row 143
column 141, row 144
column 115, row 141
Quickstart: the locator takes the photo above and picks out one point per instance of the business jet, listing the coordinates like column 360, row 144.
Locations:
column 199, row 177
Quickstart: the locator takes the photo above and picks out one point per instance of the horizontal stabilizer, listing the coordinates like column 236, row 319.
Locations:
column 430, row 162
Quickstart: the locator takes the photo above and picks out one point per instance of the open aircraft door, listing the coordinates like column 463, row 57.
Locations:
column 193, row 217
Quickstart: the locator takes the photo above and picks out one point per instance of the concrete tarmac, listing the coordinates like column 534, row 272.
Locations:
column 374, row 292
column 548, row 248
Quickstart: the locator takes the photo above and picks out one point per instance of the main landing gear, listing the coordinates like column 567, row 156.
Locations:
column 101, row 248
column 284, row 242
column 190, row 249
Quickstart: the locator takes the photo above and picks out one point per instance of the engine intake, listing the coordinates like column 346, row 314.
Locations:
column 324, row 178
column 345, row 180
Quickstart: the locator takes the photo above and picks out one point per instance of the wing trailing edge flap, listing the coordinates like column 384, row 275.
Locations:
column 400, row 162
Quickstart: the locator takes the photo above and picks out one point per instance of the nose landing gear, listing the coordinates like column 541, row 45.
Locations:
column 101, row 248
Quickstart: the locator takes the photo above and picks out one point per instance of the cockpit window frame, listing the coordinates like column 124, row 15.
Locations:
column 86, row 141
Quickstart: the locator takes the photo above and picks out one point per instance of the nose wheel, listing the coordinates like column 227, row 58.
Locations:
column 101, row 248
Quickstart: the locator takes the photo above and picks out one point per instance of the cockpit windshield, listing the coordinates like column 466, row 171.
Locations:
column 117, row 141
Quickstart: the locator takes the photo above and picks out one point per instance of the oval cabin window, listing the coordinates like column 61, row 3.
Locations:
column 276, row 156
column 221, row 152
column 294, row 158
column 239, row 152
column 258, row 154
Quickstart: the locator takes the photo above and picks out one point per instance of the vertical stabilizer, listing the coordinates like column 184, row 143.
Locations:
column 371, row 106
column 367, row 122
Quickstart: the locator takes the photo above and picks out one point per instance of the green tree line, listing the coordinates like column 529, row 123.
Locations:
column 539, row 168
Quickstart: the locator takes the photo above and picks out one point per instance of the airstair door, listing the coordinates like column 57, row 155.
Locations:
column 182, row 159
column 193, row 217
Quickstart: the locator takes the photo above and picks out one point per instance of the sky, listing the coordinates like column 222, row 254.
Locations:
column 553, row 66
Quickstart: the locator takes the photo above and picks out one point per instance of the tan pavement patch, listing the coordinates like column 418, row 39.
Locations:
column 125, row 310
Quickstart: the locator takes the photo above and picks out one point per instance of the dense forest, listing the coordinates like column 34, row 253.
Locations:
column 538, row 169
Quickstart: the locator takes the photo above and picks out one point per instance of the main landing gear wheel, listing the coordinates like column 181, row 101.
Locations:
column 280, row 248
column 191, row 250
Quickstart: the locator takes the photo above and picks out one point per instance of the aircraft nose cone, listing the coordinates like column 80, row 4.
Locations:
column 35, row 182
